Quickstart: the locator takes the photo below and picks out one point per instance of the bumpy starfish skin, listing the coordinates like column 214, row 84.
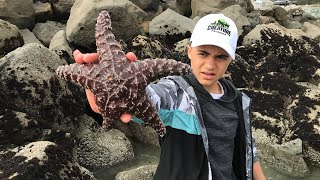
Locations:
column 119, row 85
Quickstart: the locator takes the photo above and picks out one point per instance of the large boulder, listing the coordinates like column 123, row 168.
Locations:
column 141, row 173
column 17, row 12
column 103, row 149
column 28, row 83
column 40, row 160
column 10, row 37
column 285, row 75
column 80, row 28
column 170, row 23
column 45, row 31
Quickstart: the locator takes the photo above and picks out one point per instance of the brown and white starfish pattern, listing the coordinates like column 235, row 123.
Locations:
column 119, row 85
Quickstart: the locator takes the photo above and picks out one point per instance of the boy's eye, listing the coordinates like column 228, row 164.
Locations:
column 203, row 53
column 223, row 57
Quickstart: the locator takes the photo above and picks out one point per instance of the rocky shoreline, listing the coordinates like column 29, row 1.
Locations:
column 45, row 132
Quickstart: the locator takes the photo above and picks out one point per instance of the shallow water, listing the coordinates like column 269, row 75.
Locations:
column 148, row 154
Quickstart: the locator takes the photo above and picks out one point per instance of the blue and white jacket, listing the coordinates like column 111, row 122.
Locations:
column 185, row 147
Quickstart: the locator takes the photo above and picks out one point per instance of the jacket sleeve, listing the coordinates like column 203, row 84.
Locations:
column 255, row 152
column 163, row 94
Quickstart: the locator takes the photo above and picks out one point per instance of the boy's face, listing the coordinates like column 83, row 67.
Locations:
column 209, row 63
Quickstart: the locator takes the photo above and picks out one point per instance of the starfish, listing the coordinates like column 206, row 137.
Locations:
column 119, row 85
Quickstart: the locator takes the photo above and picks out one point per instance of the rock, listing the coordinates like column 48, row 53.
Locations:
column 183, row 7
column 200, row 8
column 145, row 47
column 312, row 31
column 29, row 37
column 43, row 11
column 280, row 13
column 62, row 8
column 292, row 24
column 292, row 165
column 28, row 83
column 17, row 12
column 141, row 173
column 20, row 127
column 45, row 31
column 60, row 45
column 169, row 23
column 81, row 23
column 10, row 37
column 279, row 40
column 311, row 11
column 266, row 20
column 147, row 5
column 104, row 149
column 144, row 134
column 238, row 15
column 292, row 147
column 40, row 160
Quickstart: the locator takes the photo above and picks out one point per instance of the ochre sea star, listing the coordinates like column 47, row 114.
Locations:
column 119, row 85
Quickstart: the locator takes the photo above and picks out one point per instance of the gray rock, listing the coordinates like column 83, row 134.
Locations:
column 60, row 45
column 43, row 11
column 285, row 162
column 280, row 13
column 238, row 15
column 45, row 31
column 17, row 12
column 312, row 31
column 17, row 128
column 146, row 47
column 62, row 7
column 170, row 22
column 29, row 37
column 10, row 37
column 28, row 75
column 40, row 160
column 141, row 173
column 311, row 11
column 292, row 147
column 81, row 23
column 104, row 149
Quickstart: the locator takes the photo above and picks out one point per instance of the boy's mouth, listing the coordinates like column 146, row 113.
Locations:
column 207, row 75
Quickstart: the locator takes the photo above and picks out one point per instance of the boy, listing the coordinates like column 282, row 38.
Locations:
column 207, row 119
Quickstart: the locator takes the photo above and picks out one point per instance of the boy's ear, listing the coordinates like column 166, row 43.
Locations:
column 189, row 51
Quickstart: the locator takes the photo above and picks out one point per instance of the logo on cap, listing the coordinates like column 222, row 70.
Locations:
column 220, row 26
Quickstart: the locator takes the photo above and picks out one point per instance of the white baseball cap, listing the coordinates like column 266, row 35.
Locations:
column 218, row 30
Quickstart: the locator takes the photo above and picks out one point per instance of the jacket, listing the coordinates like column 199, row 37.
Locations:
column 184, row 148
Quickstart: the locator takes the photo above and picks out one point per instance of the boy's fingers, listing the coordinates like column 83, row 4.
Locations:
column 91, row 101
column 78, row 56
column 131, row 56
column 89, row 58
column 125, row 118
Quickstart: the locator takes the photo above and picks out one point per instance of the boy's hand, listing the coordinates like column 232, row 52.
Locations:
column 91, row 58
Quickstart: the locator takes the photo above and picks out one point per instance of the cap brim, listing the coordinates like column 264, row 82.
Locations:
column 220, row 44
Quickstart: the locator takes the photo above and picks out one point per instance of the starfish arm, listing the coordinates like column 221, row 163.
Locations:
column 154, row 69
column 107, row 123
column 147, row 111
column 107, row 47
column 79, row 74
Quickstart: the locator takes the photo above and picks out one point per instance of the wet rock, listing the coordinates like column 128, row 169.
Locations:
column 10, row 37
column 28, row 83
column 97, row 150
column 19, row 13
column 60, row 45
column 141, row 173
column 40, row 160
column 45, row 31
